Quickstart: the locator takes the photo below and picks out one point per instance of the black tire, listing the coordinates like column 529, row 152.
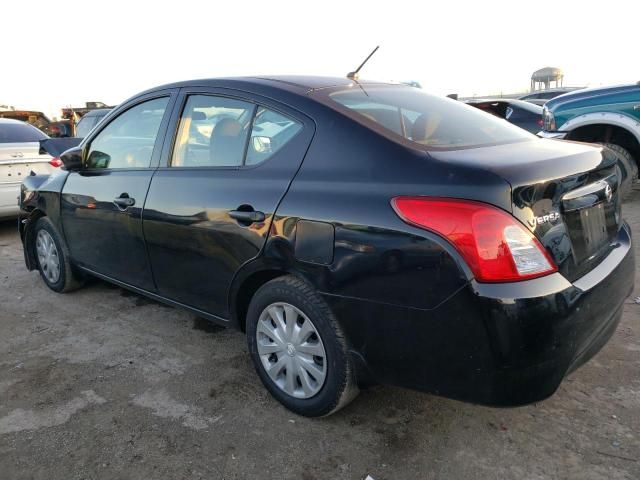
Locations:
column 67, row 279
column 628, row 163
column 339, row 386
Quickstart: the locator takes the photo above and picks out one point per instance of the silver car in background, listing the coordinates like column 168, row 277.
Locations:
column 19, row 156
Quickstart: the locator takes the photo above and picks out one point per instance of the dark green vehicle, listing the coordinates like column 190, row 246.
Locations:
column 606, row 115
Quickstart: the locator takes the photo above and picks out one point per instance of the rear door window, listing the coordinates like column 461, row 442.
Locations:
column 217, row 131
column 213, row 132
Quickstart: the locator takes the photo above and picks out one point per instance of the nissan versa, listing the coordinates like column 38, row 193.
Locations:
column 358, row 232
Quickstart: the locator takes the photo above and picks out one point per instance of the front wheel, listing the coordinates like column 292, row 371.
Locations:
column 298, row 348
column 53, row 258
column 628, row 163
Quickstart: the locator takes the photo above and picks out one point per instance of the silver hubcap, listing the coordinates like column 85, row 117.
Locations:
column 291, row 350
column 48, row 256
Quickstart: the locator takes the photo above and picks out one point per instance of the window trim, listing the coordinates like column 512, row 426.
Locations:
column 232, row 94
column 170, row 94
column 254, row 111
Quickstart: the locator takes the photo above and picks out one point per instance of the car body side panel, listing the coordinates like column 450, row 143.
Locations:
column 194, row 246
column 100, row 235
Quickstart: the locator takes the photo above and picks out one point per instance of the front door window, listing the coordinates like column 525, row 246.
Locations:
column 128, row 141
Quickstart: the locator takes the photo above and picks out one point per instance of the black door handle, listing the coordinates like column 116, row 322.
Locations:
column 247, row 217
column 124, row 201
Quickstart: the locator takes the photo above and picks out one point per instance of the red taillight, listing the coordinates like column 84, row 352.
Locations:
column 495, row 245
column 55, row 162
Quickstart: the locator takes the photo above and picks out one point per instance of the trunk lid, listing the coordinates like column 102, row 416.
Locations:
column 18, row 160
column 566, row 193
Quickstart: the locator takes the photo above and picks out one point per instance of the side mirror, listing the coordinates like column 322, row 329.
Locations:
column 72, row 159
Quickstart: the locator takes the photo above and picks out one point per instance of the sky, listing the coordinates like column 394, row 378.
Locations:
column 57, row 54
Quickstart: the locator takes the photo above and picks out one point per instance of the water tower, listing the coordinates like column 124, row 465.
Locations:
column 546, row 78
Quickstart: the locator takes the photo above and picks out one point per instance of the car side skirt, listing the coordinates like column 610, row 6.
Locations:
column 159, row 298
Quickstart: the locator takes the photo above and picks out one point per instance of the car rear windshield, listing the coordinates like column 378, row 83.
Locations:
column 424, row 119
column 19, row 133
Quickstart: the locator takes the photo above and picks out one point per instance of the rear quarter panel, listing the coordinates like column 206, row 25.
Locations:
column 348, row 179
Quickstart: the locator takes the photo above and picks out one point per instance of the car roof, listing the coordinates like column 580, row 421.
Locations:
column 293, row 83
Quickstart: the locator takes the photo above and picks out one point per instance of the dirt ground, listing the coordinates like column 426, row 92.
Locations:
column 101, row 383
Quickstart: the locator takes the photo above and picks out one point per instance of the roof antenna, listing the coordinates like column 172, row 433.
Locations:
column 354, row 75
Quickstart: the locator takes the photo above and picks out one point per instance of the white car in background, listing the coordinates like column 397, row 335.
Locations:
column 19, row 156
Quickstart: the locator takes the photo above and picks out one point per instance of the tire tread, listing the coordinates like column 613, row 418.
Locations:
column 629, row 164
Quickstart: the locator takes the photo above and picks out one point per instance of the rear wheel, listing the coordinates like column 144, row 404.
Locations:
column 298, row 348
column 53, row 258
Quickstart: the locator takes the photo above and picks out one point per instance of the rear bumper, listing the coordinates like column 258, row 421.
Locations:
column 493, row 344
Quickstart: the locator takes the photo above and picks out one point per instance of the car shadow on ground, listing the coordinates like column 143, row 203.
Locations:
column 8, row 226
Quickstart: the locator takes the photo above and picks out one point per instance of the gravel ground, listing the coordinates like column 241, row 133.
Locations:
column 102, row 383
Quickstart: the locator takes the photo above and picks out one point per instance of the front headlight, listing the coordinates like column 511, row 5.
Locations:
column 549, row 121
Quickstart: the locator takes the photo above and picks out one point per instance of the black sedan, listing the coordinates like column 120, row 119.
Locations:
column 523, row 114
column 357, row 232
